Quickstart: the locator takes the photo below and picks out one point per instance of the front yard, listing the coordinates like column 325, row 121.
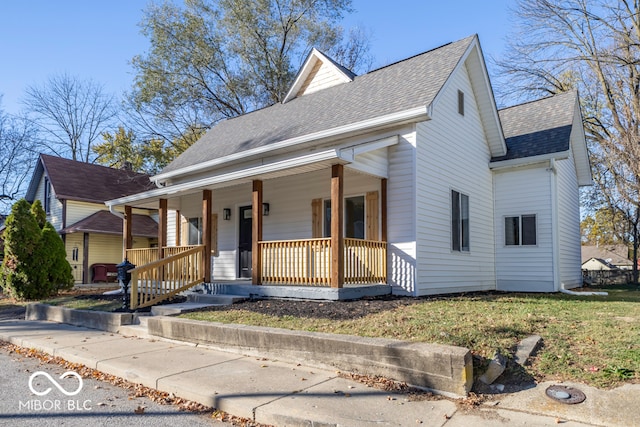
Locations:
column 590, row 339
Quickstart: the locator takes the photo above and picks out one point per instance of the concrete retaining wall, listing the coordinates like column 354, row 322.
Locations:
column 445, row 369
column 90, row 319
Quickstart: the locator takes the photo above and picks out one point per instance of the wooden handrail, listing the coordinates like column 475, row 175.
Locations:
column 161, row 279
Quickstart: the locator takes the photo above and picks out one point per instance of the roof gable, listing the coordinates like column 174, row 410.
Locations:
column 409, row 84
column 73, row 180
column 545, row 127
column 318, row 72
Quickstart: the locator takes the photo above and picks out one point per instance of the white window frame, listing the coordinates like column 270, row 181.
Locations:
column 458, row 229
column 520, row 237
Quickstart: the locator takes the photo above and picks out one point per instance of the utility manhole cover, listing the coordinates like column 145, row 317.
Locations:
column 564, row 394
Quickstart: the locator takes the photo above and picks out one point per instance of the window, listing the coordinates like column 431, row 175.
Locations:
column 354, row 223
column 461, row 102
column 459, row 221
column 520, row 230
column 194, row 231
column 47, row 195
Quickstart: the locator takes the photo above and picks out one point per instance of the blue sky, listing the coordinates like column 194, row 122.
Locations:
column 97, row 39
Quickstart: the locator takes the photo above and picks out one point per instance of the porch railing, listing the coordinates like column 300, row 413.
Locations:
column 161, row 279
column 143, row 256
column 308, row 262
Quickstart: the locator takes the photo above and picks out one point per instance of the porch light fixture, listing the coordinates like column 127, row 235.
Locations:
column 226, row 214
column 265, row 209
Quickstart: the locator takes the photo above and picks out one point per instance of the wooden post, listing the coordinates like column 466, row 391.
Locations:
column 383, row 209
column 206, row 233
column 162, row 228
column 178, row 226
column 337, row 234
column 256, row 233
column 127, row 228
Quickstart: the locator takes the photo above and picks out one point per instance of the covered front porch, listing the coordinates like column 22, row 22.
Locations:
column 334, row 246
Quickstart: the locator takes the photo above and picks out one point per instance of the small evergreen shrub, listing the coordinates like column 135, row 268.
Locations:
column 34, row 264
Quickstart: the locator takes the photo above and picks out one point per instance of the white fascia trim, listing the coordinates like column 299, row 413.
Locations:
column 415, row 114
column 232, row 176
column 524, row 161
column 369, row 146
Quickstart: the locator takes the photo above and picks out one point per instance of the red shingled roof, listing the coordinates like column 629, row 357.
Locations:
column 104, row 222
column 73, row 180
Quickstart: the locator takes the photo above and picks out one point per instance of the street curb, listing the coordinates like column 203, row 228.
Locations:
column 444, row 369
column 104, row 321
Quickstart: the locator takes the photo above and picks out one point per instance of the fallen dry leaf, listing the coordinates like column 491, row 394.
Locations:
column 139, row 410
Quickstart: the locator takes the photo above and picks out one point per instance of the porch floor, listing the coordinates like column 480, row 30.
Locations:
column 244, row 288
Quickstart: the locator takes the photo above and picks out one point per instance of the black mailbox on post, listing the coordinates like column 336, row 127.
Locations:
column 125, row 277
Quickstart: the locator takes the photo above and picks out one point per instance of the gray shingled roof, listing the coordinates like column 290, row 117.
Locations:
column 538, row 127
column 411, row 83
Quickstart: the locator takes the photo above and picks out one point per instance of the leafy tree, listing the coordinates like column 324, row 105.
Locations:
column 593, row 46
column 217, row 59
column 124, row 149
column 17, row 156
column 119, row 150
column 605, row 227
column 70, row 114
column 34, row 264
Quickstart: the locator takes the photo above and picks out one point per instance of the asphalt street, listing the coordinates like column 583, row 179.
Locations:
column 33, row 394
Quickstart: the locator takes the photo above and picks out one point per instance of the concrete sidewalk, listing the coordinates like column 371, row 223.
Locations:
column 282, row 394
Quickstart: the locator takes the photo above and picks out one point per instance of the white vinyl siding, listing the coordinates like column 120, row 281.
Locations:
column 524, row 191
column 453, row 154
column 568, row 224
column 401, row 213
column 321, row 77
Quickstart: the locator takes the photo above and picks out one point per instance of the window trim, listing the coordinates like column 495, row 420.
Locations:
column 520, row 231
column 458, row 224
column 461, row 102
column 47, row 195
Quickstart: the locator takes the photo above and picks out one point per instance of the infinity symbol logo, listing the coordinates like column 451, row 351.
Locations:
column 55, row 383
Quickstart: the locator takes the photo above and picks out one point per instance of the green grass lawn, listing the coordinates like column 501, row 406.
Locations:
column 591, row 339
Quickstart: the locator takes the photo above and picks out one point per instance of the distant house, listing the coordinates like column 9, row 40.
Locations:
column 73, row 195
column 407, row 177
column 606, row 257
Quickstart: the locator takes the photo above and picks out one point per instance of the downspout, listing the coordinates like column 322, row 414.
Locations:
column 116, row 213
column 555, row 241
column 558, row 285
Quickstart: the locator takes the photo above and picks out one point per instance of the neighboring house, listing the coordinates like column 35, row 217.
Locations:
column 73, row 194
column 407, row 176
column 606, row 257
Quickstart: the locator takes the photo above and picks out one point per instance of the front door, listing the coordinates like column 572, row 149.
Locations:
column 245, row 242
